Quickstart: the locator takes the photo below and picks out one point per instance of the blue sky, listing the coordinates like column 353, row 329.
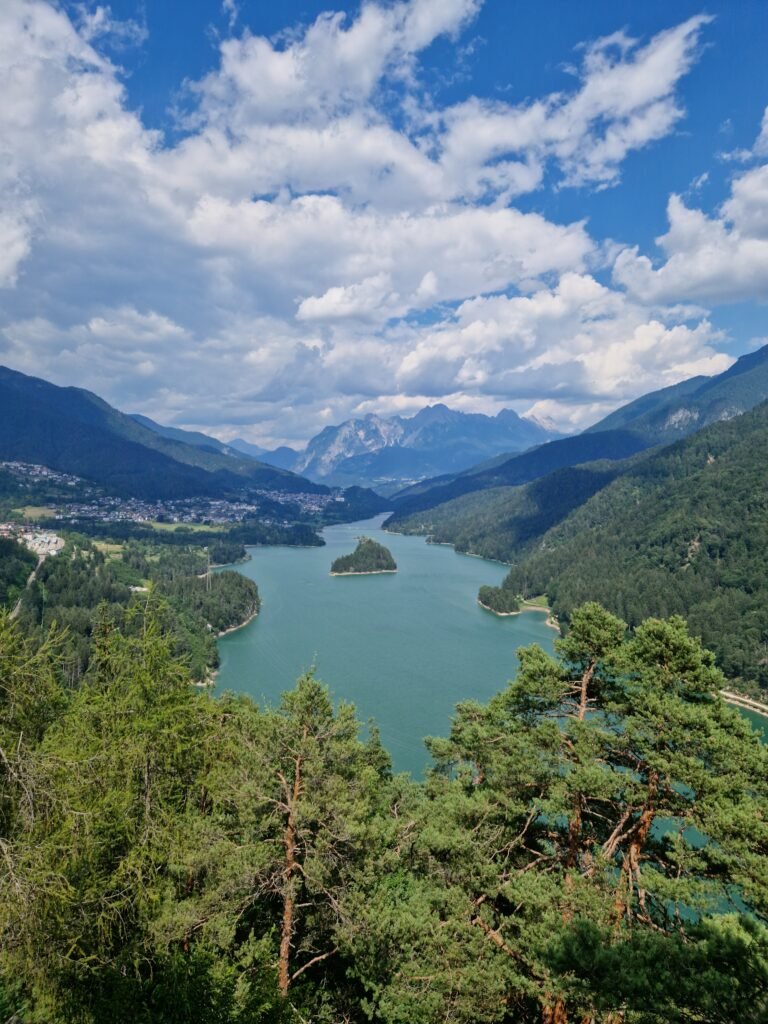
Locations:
column 259, row 219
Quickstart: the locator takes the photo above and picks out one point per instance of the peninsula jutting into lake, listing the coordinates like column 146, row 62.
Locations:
column 368, row 558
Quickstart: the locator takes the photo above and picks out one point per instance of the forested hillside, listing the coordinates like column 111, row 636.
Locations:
column 16, row 563
column 660, row 417
column 88, row 580
column 590, row 846
column 500, row 522
column 685, row 531
column 520, row 469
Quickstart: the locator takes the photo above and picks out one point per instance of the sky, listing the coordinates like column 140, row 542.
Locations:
column 260, row 219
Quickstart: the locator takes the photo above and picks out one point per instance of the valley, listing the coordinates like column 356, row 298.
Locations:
column 490, row 736
column 404, row 648
column 383, row 512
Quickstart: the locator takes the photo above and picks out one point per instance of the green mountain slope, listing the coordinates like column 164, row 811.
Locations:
column 74, row 431
column 657, row 418
column 683, row 531
column 500, row 522
column 193, row 437
column 678, row 411
column 520, row 469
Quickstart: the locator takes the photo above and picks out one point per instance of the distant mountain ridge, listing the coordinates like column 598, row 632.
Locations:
column 193, row 437
column 387, row 452
column 282, row 457
column 75, row 431
column 657, row 418
column 677, row 411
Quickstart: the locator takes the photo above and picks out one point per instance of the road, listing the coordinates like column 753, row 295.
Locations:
column 30, row 581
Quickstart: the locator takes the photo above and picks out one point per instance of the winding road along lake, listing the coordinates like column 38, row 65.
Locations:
column 404, row 648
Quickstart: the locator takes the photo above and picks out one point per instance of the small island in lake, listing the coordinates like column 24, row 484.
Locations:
column 368, row 557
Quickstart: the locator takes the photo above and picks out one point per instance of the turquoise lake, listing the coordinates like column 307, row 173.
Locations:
column 404, row 648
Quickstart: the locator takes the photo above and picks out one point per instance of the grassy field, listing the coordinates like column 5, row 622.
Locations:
column 540, row 601
column 112, row 551
column 35, row 512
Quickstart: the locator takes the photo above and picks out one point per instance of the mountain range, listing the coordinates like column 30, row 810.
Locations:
column 657, row 418
column 669, row 528
column 389, row 452
column 74, row 431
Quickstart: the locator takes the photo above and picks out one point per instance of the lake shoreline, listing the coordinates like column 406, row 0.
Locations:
column 367, row 572
column 551, row 621
column 240, row 625
column 740, row 700
column 210, row 677
column 225, row 565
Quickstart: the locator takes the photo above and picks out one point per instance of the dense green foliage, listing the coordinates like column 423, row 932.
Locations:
column 68, row 590
column 500, row 522
column 590, row 846
column 498, row 599
column 16, row 563
column 368, row 556
column 71, row 590
column 684, row 531
column 221, row 600
column 519, row 469
column 226, row 552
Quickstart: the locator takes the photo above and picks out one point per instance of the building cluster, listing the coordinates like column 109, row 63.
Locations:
column 40, row 542
column 35, row 473
column 307, row 502
column 88, row 503
column 189, row 510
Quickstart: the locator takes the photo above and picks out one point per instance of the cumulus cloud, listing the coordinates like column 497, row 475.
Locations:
column 720, row 258
column 321, row 234
column 580, row 342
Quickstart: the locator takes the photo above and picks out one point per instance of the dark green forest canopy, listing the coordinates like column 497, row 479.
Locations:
column 16, row 563
column 368, row 556
column 684, row 532
column 499, row 599
column 591, row 844
column 71, row 588
column 502, row 522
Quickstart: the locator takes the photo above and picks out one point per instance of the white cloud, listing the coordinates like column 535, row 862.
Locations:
column 721, row 258
column 231, row 11
column 15, row 244
column 626, row 100
column 300, row 250
column 761, row 144
column 580, row 343
column 98, row 23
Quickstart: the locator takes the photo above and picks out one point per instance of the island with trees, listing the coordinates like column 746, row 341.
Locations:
column 369, row 557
